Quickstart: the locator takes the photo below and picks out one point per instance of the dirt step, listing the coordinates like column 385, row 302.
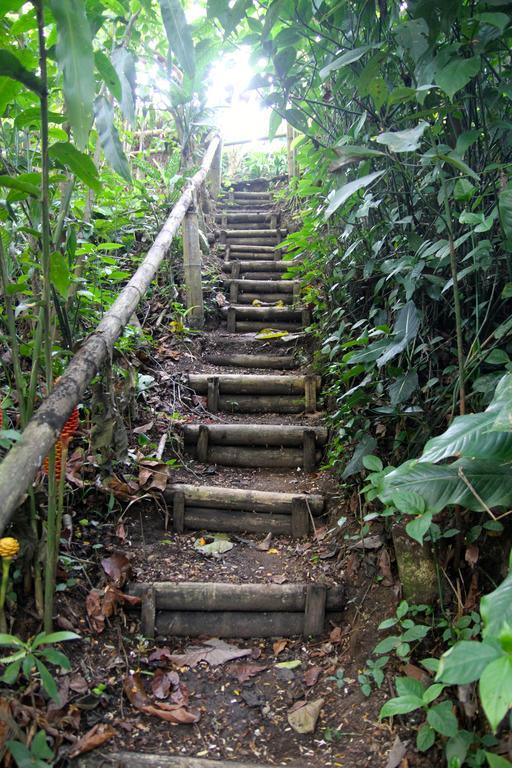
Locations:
column 142, row 760
column 274, row 362
column 255, row 445
column 263, row 299
column 235, row 610
column 248, row 233
column 241, row 318
column 264, row 313
column 254, row 216
column 253, row 266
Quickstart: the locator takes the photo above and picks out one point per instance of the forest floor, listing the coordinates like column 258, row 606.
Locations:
column 244, row 703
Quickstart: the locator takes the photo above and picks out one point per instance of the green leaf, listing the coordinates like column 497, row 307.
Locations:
column 11, row 672
column 78, row 163
column 505, row 212
column 349, row 57
column 109, row 138
column 60, row 275
column 457, row 748
column 442, row 486
column 21, row 754
column 275, row 121
column 441, row 718
column 56, row 657
column 457, row 163
column 39, row 746
column 11, row 67
column 49, row 684
column 405, row 330
column 403, row 141
column 402, row 705
column 402, row 388
column 178, row 35
column 498, row 20
column 495, row 761
column 465, row 661
column 349, row 154
column 10, row 641
column 425, row 738
column 18, row 183
column 386, row 645
column 418, row 527
column 373, row 463
column 432, row 692
column 54, row 637
column 409, row 503
column 340, row 196
column 408, row 686
column 293, row 664
column 108, row 74
column 124, row 63
column 496, row 608
column 457, row 74
column 495, row 690
column 75, row 56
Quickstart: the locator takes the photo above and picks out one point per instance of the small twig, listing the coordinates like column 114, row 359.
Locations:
column 161, row 446
column 312, row 519
column 475, row 494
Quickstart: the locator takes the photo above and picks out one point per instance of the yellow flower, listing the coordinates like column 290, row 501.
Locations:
column 9, row 547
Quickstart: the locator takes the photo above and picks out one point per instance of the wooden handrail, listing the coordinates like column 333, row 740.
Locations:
column 19, row 467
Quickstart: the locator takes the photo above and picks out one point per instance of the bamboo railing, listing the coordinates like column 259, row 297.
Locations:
column 19, row 467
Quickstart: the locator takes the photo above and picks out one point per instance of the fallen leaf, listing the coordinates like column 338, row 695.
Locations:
column 121, row 532
column 369, row 542
column 243, row 672
column 143, row 428
column 161, row 654
column 384, row 566
column 213, row 547
column 78, row 684
column 292, row 664
column 398, row 751
column 94, row 610
column 416, row 673
column 163, row 682
column 273, row 551
column 214, row 652
column 98, row 735
column 311, row 676
column 138, row 698
column 303, row 716
column 335, row 635
column 279, row 646
column 264, row 545
column 117, row 567
column 279, row 579
column 472, row 554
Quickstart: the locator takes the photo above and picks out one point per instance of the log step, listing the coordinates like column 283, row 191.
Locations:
column 275, row 362
column 264, row 286
column 243, row 247
column 142, row 760
column 256, row 265
column 251, row 383
column 243, row 498
column 254, row 445
column 245, row 195
column 267, row 298
column 235, row 610
column 251, row 233
column 270, row 314
column 257, row 217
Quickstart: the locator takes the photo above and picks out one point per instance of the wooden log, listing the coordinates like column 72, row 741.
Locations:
column 246, row 216
column 252, row 233
column 300, row 518
column 264, row 275
column 234, row 456
column 140, row 760
column 254, row 383
column 276, row 362
column 192, row 269
column 259, row 266
column 314, row 614
column 208, row 519
column 264, row 313
column 256, row 243
column 240, row 248
column 262, row 404
column 148, row 611
column 239, row 624
column 213, row 391
column 243, row 498
column 250, row 298
column 311, row 387
column 178, row 512
column 288, row 435
column 203, row 439
column 224, row 596
column 309, row 448
column 254, row 255
column 248, row 326
column 231, row 320
column 233, row 292
column 246, row 194
column 266, row 286
column 21, row 464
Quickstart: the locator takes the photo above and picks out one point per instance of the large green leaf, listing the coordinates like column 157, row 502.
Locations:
column 349, row 57
column 496, row 690
column 77, row 162
column 178, row 35
column 465, row 661
column 108, row 74
column 124, row 63
column 405, row 330
column 476, row 435
column 11, row 67
column 496, row 608
column 340, row 196
column 457, row 73
column 444, row 485
column 109, row 138
column 75, row 56
column 350, row 154
column 20, row 184
column 403, row 141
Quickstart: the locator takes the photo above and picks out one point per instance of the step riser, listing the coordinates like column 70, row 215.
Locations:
column 254, row 434
column 248, row 326
column 267, row 314
column 235, row 456
column 243, row 499
column 269, row 298
column 271, row 362
column 253, row 384
column 255, row 286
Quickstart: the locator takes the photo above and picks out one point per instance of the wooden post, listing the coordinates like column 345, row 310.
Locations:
column 300, row 518
column 178, row 512
column 233, row 293
column 305, row 318
column 296, row 292
column 310, row 393
column 202, row 444
column 235, row 269
column 213, row 394
column 314, row 613
column 216, row 172
column 231, row 319
column 309, row 449
column 192, row 264
column 273, row 221
column 148, row 611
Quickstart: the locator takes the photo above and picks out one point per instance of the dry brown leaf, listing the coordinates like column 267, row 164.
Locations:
column 279, row 579
column 214, row 652
column 117, row 567
column 264, row 545
column 94, row 610
column 472, row 554
column 163, row 682
column 138, row 698
column 311, row 676
column 98, row 735
column 335, row 635
column 397, row 753
column 143, row 428
column 279, row 646
column 416, row 673
column 303, row 716
column 244, row 672
column 384, row 565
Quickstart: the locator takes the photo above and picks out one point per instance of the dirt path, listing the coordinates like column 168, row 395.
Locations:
column 246, row 706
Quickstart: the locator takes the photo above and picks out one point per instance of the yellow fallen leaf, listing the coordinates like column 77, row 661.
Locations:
column 270, row 333
column 256, row 303
column 273, row 551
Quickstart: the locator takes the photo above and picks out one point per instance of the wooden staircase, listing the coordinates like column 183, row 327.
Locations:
column 249, row 239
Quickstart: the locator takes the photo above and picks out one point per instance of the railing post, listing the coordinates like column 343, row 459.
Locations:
column 192, row 268
column 215, row 177
column 292, row 157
